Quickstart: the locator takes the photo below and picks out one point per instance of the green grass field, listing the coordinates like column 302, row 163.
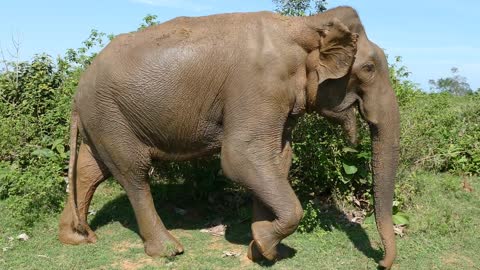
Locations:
column 444, row 233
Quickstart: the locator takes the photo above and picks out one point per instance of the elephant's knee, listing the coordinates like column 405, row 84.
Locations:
column 288, row 221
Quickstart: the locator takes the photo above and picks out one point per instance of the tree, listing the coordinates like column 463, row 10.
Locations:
column 148, row 20
column 456, row 85
column 300, row 7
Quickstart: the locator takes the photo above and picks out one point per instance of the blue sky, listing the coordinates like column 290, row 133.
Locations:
column 431, row 35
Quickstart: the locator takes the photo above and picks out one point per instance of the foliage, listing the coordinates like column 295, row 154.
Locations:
column 300, row 7
column 35, row 100
column 456, row 85
column 148, row 20
column 323, row 161
column 441, row 132
column 200, row 177
column 406, row 90
column 82, row 57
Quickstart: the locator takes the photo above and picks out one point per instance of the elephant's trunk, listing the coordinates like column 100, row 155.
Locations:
column 385, row 134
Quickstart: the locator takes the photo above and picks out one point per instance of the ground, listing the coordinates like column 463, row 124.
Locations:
column 443, row 234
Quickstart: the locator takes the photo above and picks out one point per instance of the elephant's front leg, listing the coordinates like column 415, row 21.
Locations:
column 257, row 155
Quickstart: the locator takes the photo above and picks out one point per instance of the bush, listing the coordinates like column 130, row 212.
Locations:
column 35, row 100
column 33, row 133
column 441, row 132
column 324, row 163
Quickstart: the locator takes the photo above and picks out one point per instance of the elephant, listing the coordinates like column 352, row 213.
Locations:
column 233, row 84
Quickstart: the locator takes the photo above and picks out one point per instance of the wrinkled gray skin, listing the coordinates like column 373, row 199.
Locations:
column 234, row 84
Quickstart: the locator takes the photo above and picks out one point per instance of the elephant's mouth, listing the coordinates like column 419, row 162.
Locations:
column 345, row 115
column 348, row 103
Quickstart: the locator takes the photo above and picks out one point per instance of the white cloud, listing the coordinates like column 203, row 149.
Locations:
column 179, row 4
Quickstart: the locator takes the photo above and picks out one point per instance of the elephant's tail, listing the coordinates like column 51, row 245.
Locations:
column 72, row 181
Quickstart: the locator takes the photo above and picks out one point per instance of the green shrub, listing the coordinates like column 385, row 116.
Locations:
column 33, row 133
column 323, row 162
column 441, row 132
column 35, row 98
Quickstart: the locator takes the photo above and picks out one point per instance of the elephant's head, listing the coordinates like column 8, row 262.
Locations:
column 367, row 87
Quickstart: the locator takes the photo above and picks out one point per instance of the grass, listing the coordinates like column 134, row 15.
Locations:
column 443, row 234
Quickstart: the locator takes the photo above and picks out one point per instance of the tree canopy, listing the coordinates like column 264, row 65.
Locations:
column 456, row 84
column 300, row 7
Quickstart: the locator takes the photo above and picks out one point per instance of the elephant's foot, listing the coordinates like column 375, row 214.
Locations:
column 265, row 241
column 70, row 236
column 255, row 255
column 74, row 233
column 166, row 246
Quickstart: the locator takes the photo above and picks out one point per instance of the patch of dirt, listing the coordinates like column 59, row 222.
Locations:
column 137, row 264
column 216, row 245
column 466, row 186
column 457, row 260
column 245, row 261
column 107, row 232
column 224, row 249
column 124, row 246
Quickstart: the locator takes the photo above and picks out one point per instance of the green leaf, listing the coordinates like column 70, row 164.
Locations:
column 44, row 152
column 401, row 218
column 349, row 150
column 463, row 159
column 4, row 172
column 364, row 155
column 349, row 169
column 60, row 149
column 57, row 142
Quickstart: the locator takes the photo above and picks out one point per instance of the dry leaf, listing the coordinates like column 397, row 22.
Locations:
column 230, row 254
column 466, row 186
column 399, row 230
column 356, row 216
column 218, row 230
column 23, row 237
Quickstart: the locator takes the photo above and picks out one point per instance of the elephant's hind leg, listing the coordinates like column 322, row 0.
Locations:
column 90, row 172
column 129, row 165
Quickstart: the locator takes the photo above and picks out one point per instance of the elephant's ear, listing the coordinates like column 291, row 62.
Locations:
column 337, row 50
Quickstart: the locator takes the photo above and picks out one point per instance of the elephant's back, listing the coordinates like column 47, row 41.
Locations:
column 159, row 92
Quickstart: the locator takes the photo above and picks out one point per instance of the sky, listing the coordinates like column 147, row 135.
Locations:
column 431, row 36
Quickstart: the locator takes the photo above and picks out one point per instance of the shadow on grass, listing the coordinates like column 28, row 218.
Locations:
column 179, row 211
column 332, row 217
column 199, row 214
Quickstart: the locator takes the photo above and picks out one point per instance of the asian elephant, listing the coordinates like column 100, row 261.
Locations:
column 232, row 84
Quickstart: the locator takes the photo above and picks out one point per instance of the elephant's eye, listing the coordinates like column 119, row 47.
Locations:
column 369, row 67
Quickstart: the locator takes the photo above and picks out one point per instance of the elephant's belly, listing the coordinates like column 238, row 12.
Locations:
column 185, row 145
column 177, row 123
column 159, row 154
